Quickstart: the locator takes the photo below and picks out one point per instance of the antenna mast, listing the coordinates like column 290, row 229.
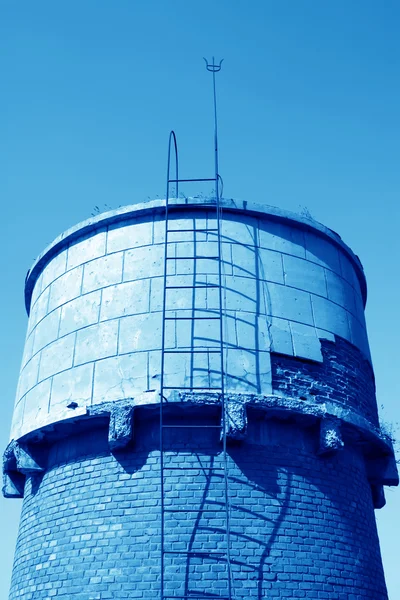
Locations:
column 215, row 68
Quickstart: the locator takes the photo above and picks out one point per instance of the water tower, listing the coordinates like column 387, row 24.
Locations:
column 196, row 414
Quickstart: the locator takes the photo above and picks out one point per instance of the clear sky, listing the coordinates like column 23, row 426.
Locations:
column 309, row 101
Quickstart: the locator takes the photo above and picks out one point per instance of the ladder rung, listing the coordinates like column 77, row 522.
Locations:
column 192, row 351
column 191, row 287
column 188, row 180
column 193, row 426
column 202, row 229
column 192, row 257
column 190, row 387
column 191, row 318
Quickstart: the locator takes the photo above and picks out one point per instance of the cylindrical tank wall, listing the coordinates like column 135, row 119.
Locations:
column 94, row 332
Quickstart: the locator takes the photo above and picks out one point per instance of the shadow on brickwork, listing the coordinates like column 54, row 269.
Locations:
column 280, row 495
column 263, row 542
column 258, row 498
column 36, row 480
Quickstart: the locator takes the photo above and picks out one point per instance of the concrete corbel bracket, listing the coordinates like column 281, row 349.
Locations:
column 9, row 460
column 13, row 481
column 120, row 431
column 378, row 496
column 235, row 419
column 26, row 463
column 330, row 436
column 383, row 470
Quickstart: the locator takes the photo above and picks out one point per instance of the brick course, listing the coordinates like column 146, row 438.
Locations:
column 345, row 377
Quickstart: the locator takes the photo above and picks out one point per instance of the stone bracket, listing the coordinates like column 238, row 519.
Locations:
column 18, row 462
column 235, row 419
column 13, row 482
column 120, row 431
column 330, row 436
column 382, row 470
column 13, row 485
column 26, row 463
column 9, row 460
column 378, row 496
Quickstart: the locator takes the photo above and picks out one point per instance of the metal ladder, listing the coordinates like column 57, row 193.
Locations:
column 214, row 315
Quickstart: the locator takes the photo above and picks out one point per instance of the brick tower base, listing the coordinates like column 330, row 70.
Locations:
column 302, row 524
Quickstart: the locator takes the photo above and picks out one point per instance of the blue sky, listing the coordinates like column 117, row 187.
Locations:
column 309, row 102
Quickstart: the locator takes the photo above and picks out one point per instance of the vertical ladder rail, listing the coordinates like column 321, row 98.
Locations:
column 172, row 138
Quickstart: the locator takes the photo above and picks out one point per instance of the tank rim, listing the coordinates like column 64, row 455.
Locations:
column 140, row 209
